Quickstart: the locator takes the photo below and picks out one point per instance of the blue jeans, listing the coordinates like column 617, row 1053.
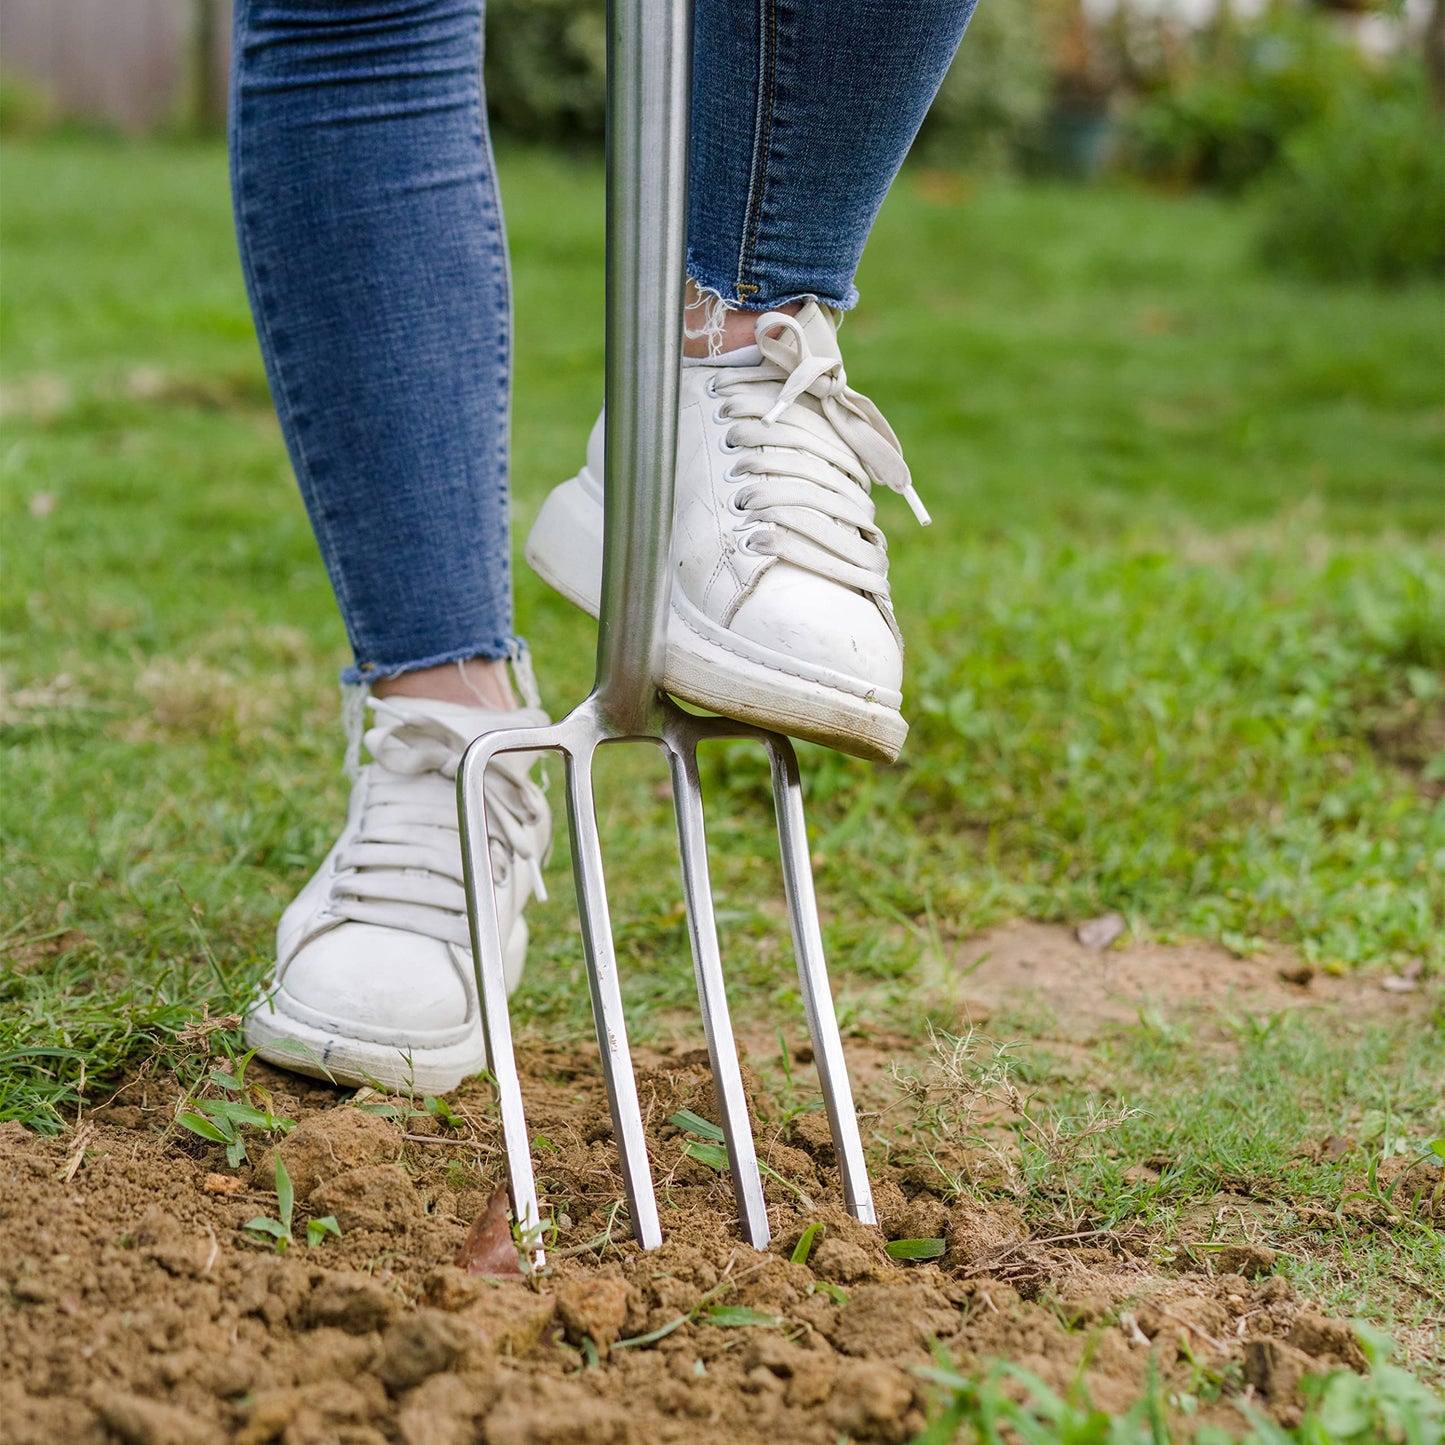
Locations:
column 372, row 243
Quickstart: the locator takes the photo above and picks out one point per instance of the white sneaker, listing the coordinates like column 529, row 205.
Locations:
column 780, row 604
column 374, row 978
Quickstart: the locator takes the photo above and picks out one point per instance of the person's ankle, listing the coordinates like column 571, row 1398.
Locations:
column 710, row 329
column 475, row 682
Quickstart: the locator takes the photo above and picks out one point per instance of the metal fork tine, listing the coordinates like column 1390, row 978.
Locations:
column 607, row 1001
column 712, row 995
column 492, row 988
column 813, row 976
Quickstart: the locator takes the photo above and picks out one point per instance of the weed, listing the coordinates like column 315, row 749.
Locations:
column 278, row 1230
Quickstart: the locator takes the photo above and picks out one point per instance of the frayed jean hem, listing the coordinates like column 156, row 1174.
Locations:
column 497, row 649
column 713, row 288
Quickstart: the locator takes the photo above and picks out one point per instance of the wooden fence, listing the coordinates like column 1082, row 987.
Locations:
column 135, row 64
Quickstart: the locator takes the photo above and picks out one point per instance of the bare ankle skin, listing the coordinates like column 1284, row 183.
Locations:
column 477, row 682
column 737, row 326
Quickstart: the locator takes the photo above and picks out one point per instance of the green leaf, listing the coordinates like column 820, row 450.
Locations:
column 222, row 1080
column 235, row 1152
column 733, row 1316
column 318, row 1229
column 199, row 1124
column 695, row 1124
column 804, row 1247
column 916, row 1248
column 835, row 1292
column 285, row 1193
column 264, row 1224
column 713, row 1155
column 238, row 1112
column 1437, row 1148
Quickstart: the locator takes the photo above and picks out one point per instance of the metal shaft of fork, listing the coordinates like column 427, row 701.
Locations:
column 649, row 89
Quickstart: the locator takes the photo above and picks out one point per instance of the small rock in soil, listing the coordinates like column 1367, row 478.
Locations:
column 1099, row 933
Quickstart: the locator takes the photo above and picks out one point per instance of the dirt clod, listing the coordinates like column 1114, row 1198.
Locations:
column 1249, row 1260
column 594, row 1309
column 351, row 1302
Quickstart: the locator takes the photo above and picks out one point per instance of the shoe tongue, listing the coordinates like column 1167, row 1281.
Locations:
column 743, row 356
column 820, row 329
column 470, row 722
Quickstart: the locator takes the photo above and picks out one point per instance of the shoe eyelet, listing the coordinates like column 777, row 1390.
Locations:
column 711, row 387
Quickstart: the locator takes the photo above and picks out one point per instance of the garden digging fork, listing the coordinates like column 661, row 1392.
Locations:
column 648, row 89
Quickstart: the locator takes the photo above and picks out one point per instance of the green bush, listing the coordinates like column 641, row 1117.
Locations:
column 994, row 99
column 1361, row 196
column 546, row 67
column 1251, row 90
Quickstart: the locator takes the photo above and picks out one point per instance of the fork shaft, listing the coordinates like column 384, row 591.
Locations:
column 813, row 977
column 649, row 74
column 607, row 1012
column 722, row 1049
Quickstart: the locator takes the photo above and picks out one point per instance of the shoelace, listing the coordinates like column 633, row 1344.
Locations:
column 816, row 503
column 403, row 869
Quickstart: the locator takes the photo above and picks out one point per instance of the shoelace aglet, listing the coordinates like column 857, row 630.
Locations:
column 539, row 888
column 916, row 503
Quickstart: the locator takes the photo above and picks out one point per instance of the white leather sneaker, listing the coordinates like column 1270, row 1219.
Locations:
column 780, row 603
column 374, row 978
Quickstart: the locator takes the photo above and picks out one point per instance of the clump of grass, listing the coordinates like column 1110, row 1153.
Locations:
column 971, row 1089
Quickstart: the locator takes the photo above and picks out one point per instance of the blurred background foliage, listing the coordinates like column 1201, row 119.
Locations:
column 1327, row 117
column 1323, row 115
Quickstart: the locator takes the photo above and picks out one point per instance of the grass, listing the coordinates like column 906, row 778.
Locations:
column 1176, row 641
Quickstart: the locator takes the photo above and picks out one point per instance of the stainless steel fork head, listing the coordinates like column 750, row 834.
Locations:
column 577, row 737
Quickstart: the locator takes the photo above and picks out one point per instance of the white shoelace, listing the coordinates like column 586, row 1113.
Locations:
column 403, row 867
column 809, row 449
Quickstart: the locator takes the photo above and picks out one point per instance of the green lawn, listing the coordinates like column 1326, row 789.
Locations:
column 1176, row 637
column 1177, row 640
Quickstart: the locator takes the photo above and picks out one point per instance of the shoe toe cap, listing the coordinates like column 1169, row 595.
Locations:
column 379, row 983
column 822, row 625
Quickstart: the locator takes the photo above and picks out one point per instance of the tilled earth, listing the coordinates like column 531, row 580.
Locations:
column 137, row 1310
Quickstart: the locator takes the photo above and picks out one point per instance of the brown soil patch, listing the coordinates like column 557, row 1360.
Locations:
column 1045, row 966
column 136, row 1309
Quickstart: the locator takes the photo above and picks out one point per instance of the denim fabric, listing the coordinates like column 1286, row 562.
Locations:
column 372, row 244
column 802, row 114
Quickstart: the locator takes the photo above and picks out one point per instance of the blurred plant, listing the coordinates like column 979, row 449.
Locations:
column 1361, row 195
column 996, row 93
column 546, row 67
column 1252, row 87
column 25, row 107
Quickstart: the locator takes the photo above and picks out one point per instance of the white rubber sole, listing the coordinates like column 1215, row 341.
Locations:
column 333, row 1055
column 706, row 665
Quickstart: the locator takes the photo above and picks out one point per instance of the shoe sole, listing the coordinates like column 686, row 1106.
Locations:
column 338, row 1058
column 704, row 665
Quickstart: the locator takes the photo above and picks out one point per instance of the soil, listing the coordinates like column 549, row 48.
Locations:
column 137, row 1310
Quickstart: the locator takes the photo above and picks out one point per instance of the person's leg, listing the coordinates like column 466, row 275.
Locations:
column 371, row 240
column 802, row 115
column 781, row 614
